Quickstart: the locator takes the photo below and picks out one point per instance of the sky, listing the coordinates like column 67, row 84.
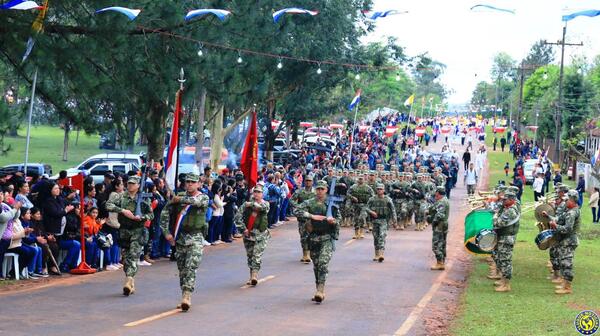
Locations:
column 466, row 41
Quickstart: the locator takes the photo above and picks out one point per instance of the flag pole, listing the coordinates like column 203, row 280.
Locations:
column 29, row 120
column 181, row 80
column 352, row 136
column 408, row 119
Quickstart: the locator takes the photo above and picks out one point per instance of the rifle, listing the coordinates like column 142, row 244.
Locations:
column 141, row 195
column 333, row 200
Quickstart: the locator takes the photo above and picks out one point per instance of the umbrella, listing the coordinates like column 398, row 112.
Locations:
column 306, row 124
column 336, row 126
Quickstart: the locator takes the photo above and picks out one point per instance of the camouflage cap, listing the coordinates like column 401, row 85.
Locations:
column 512, row 189
column 500, row 189
column 440, row 190
column 372, row 173
column 258, row 188
column 423, row 170
column 562, row 188
column 308, row 177
column 321, row 185
column 192, row 177
column 134, row 179
column 573, row 195
column 380, row 186
column 438, row 169
column 510, row 195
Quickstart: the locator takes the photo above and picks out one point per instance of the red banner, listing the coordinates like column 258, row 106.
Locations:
column 249, row 162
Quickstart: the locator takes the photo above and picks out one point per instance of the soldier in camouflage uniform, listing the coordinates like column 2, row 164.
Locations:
column 396, row 194
column 300, row 196
column 191, row 205
column 420, row 204
column 131, row 231
column 346, row 207
column 382, row 211
column 253, row 224
column 560, row 208
column 438, row 217
column 567, row 229
column 359, row 194
column 506, row 227
column 496, row 206
column 408, row 203
column 322, row 231
column 438, row 177
column 429, row 194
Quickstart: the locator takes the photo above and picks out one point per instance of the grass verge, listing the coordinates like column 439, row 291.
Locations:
column 531, row 308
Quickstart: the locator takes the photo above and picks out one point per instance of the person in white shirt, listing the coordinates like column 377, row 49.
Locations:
column 593, row 203
column 471, row 179
column 538, row 185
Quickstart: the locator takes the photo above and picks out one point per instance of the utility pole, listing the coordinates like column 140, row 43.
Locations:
column 557, row 112
column 522, row 69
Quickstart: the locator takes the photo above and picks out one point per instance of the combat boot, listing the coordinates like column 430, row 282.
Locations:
column 376, row 257
column 186, row 301
column 356, row 235
column 439, row 266
column 249, row 282
column 566, row 288
column 361, row 234
column 555, row 277
column 381, row 258
column 254, row 278
column 504, row 286
column 320, row 294
column 306, row 257
column 561, row 284
column 497, row 283
column 128, row 287
column 494, row 274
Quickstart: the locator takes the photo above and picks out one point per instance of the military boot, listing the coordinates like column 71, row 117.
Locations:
column 381, row 258
column 438, row 266
column 555, row 277
column 361, row 234
column 306, row 257
column 128, row 287
column 253, row 278
column 356, row 234
column 186, row 301
column 497, row 283
column 566, row 289
column 320, row 294
column 494, row 274
column 249, row 282
column 504, row 286
column 561, row 284
column 376, row 257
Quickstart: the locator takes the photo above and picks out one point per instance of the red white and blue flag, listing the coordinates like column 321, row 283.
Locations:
column 21, row 5
column 130, row 13
column 173, row 152
column 182, row 215
column 355, row 100
column 293, row 10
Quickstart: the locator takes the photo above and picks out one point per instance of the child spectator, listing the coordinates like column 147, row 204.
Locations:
column 506, row 169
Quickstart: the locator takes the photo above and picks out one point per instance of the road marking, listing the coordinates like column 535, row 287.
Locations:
column 349, row 242
column 153, row 318
column 412, row 318
column 267, row 278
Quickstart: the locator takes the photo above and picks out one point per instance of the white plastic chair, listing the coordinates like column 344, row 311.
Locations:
column 6, row 266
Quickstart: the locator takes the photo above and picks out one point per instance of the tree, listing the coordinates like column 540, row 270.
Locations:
column 540, row 54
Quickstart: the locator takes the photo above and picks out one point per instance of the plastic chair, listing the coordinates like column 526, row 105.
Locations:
column 6, row 266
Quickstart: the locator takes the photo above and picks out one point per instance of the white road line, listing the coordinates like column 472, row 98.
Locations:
column 349, row 242
column 416, row 312
column 153, row 318
column 267, row 278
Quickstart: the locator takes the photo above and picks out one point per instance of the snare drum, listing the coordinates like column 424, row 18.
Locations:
column 486, row 240
column 545, row 239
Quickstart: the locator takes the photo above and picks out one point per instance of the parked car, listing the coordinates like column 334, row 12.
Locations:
column 106, row 157
column 187, row 159
column 528, row 167
column 287, row 155
column 317, row 131
column 315, row 140
column 32, row 168
column 97, row 171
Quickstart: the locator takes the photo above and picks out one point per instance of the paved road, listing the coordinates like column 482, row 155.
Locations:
column 362, row 297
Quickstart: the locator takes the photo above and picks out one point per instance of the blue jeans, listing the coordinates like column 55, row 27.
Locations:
column 215, row 226
column 91, row 253
column 283, row 209
column 72, row 246
column 580, row 201
column 35, row 265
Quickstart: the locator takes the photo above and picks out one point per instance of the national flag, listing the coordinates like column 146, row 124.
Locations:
column 595, row 157
column 249, row 162
column 293, row 10
column 130, row 13
column 173, row 149
column 410, row 100
column 375, row 15
column 182, row 215
column 21, row 5
column 355, row 100
column 36, row 28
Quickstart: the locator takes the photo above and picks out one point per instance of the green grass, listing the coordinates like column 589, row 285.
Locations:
column 47, row 147
column 531, row 308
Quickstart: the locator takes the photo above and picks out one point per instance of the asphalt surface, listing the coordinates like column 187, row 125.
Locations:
column 363, row 297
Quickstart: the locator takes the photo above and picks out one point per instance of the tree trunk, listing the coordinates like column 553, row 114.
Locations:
column 66, row 142
column 130, row 134
column 269, row 134
column 77, row 137
column 154, row 128
column 216, row 137
column 200, row 135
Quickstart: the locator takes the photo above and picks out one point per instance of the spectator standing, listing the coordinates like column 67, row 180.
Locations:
column 593, row 203
column 495, row 143
column 517, row 182
column 502, row 143
column 538, row 186
column 466, row 159
column 471, row 179
column 580, row 189
column 557, row 178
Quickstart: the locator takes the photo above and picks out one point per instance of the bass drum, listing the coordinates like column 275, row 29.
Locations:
column 546, row 239
column 486, row 240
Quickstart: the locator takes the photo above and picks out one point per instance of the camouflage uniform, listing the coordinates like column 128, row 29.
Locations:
column 131, row 232
column 362, row 192
column 560, row 209
column 346, row 206
column 397, row 195
column 406, row 206
column 299, row 197
column 567, row 230
column 506, row 226
column 386, row 213
column 321, row 236
column 190, row 235
column 256, row 241
column 438, row 217
column 419, row 203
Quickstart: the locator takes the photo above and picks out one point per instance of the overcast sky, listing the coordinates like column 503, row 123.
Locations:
column 466, row 41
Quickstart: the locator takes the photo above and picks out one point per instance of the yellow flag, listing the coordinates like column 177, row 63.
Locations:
column 38, row 24
column 410, row 100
